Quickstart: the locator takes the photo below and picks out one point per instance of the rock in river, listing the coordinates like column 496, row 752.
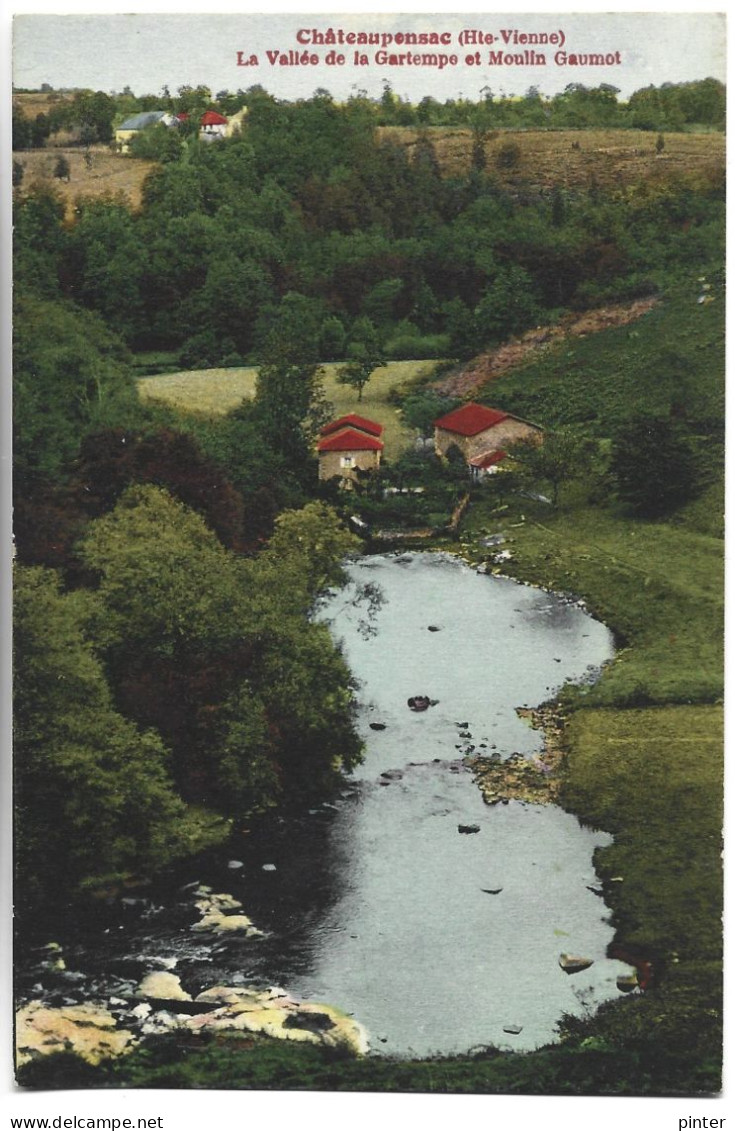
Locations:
column 89, row 1030
column 162, row 986
column 573, row 964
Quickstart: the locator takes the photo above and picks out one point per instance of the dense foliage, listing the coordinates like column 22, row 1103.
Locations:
column 311, row 199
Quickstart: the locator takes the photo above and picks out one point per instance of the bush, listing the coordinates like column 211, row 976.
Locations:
column 208, row 349
column 509, row 155
column 420, row 348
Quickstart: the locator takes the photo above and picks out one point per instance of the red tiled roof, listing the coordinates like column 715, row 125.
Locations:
column 352, row 420
column 488, row 459
column 469, row 419
column 212, row 118
column 350, row 440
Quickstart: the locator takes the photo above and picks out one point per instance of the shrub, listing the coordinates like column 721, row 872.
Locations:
column 420, row 348
column 508, row 155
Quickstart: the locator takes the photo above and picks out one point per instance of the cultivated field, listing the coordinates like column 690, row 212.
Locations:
column 217, row 391
column 571, row 157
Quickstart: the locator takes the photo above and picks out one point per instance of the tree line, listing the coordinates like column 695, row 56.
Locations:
column 92, row 115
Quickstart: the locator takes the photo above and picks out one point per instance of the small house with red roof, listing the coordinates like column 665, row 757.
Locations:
column 212, row 125
column 482, row 434
column 348, row 445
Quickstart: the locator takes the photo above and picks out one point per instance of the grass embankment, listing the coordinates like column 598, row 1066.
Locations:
column 644, row 759
column 671, row 356
column 214, row 392
column 657, row 586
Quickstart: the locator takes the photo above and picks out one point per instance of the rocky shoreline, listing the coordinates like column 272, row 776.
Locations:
column 536, row 781
column 103, row 1030
column 112, row 1024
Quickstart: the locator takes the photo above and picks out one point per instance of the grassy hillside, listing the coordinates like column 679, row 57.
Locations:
column 673, row 354
column 570, row 158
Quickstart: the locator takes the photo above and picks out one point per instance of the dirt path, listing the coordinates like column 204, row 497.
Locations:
column 487, row 366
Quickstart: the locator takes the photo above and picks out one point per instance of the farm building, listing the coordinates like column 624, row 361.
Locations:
column 348, row 445
column 482, row 434
column 213, row 125
column 132, row 126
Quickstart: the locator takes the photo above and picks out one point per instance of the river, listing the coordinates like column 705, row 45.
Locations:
column 437, row 940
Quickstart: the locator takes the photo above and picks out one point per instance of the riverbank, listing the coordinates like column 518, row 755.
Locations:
column 643, row 759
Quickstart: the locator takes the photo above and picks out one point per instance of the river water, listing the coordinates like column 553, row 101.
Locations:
column 437, row 940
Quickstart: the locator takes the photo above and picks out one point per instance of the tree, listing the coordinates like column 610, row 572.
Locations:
column 366, row 355
column 18, row 173
column 332, row 339
column 309, row 546
column 421, row 410
column 217, row 652
column 480, row 122
column 94, row 799
column 157, row 143
column 70, row 376
column 459, row 323
column 508, row 306
column 109, row 263
column 21, row 128
column 40, row 130
column 173, row 620
column 288, row 394
column 40, row 243
column 111, row 460
column 94, row 112
column 62, row 169
column 653, row 464
column 563, row 456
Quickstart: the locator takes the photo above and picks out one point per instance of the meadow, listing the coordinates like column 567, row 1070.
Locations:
column 214, row 392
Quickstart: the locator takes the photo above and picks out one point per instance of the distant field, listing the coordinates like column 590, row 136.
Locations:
column 107, row 173
column 570, row 157
column 216, row 391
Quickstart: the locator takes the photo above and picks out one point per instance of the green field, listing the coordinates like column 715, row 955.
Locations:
column 214, row 392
